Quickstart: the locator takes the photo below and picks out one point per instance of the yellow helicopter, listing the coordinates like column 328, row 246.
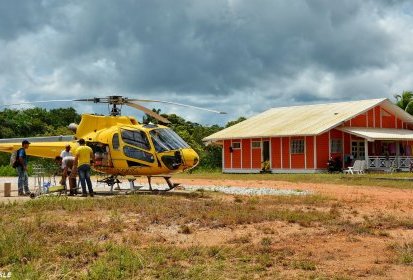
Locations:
column 122, row 146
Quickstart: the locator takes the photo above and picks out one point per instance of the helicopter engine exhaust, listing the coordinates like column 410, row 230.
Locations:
column 73, row 127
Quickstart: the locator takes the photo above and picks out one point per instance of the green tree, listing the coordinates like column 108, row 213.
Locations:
column 35, row 122
column 149, row 119
column 405, row 101
column 231, row 123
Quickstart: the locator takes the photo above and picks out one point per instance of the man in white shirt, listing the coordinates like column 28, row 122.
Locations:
column 66, row 164
column 66, row 152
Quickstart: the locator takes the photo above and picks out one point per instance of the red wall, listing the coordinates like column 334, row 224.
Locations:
column 360, row 120
column 297, row 160
column 334, row 133
column 399, row 124
column 286, row 152
column 377, row 116
column 246, row 153
column 256, row 156
column 236, row 155
column 322, row 150
column 309, row 149
column 388, row 122
column 370, row 118
column 276, row 152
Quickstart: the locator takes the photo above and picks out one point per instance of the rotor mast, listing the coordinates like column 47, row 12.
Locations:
column 114, row 100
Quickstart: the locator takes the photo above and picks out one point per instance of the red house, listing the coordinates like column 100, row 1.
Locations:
column 301, row 139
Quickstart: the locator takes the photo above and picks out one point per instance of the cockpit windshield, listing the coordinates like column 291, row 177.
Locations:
column 165, row 139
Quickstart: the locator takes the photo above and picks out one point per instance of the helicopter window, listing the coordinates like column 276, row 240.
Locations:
column 115, row 141
column 138, row 154
column 136, row 138
column 165, row 139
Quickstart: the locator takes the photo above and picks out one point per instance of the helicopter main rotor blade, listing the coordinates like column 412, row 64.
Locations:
column 119, row 100
column 178, row 104
column 147, row 111
column 43, row 101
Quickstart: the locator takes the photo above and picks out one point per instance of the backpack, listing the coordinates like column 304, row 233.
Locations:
column 14, row 159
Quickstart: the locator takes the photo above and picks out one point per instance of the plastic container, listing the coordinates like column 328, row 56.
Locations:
column 46, row 186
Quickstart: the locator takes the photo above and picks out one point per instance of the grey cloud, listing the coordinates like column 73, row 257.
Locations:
column 17, row 17
column 308, row 97
column 205, row 51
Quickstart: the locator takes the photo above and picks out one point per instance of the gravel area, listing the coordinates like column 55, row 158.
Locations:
column 185, row 187
column 246, row 190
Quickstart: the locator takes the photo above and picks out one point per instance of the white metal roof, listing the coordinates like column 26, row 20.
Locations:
column 372, row 134
column 303, row 120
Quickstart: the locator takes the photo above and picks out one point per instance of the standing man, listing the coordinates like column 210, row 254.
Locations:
column 66, row 152
column 66, row 165
column 21, row 158
column 83, row 158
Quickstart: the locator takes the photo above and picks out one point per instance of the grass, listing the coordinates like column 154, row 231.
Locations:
column 108, row 238
column 404, row 252
column 146, row 236
column 304, row 264
column 370, row 179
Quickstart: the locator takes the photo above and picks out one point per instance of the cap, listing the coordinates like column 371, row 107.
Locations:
column 25, row 142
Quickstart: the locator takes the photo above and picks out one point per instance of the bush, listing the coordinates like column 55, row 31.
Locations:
column 7, row 170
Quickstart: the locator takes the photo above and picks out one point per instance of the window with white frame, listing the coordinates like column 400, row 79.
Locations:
column 336, row 145
column 236, row 145
column 297, row 146
column 256, row 144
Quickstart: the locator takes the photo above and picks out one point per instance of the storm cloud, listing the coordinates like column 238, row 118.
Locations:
column 238, row 56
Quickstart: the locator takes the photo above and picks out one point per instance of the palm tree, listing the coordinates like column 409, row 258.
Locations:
column 149, row 119
column 405, row 101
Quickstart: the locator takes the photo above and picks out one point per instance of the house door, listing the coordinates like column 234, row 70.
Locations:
column 265, row 150
column 357, row 149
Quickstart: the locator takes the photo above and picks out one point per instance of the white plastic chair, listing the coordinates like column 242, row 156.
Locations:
column 358, row 167
column 362, row 167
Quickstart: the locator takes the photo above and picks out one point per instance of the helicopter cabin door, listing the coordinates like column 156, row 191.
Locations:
column 116, row 151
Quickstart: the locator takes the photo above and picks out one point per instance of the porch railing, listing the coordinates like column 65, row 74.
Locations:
column 396, row 162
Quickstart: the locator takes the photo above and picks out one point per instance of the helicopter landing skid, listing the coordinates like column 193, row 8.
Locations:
column 113, row 180
column 152, row 190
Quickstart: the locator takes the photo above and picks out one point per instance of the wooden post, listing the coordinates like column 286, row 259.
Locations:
column 366, row 153
column 397, row 154
column 7, row 189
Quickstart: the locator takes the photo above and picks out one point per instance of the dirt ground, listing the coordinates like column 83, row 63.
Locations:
column 358, row 255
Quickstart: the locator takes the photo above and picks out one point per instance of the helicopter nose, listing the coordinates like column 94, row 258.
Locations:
column 190, row 158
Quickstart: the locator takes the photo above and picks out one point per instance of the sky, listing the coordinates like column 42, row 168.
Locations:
column 238, row 56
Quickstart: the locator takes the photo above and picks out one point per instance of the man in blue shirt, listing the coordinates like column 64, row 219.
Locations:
column 23, row 181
